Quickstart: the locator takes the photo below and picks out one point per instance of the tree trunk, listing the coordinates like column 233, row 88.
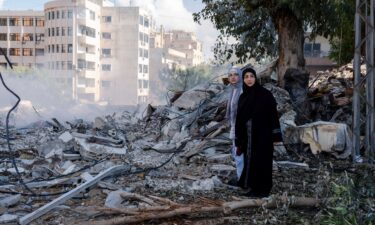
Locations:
column 291, row 39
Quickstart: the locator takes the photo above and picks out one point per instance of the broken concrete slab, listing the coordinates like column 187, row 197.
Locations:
column 66, row 137
column 114, row 200
column 52, row 148
column 93, row 151
column 8, row 201
column 192, row 98
column 8, row 218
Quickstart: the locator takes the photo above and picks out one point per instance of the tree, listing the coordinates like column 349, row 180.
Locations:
column 269, row 28
column 342, row 42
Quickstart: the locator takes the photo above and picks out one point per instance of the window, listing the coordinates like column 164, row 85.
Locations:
column 145, row 68
column 39, row 37
column 57, row 31
column 49, row 48
column 62, row 31
column 70, row 48
column 107, row 19
column 70, row 14
column 88, row 31
column 70, row 31
column 39, row 51
column 15, row 52
column 15, row 37
column 3, row 65
column 140, row 68
column 145, row 53
column 312, row 49
column 106, row 83
column 3, row 21
column 52, row 31
column 106, row 67
column 139, row 84
column 63, row 50
column 70, row 65
column 106, row 35
column 27, row 52
column 57, row 48
column 5, row 50
column 316, row 49
column 146, row 22
column 140, row 52
column 57, row 14
column 146, row 38
column 63, row 14
column 28, row 22
column 49, row 32
column 49, row 18
column 106, row 52
column 81, row 64
column 12, row 22
column 92, row 15
column 28, row 37
column 53, row 48
column 39, row 22
column 3, row 37
column 53, row 15
column 140, row 20
column 145, row 84
column 63, row 65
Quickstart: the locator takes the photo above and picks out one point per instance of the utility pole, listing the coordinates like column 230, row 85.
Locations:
column 364, row 87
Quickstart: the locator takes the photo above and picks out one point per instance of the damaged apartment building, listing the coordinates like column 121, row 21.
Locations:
column 90, row 47
column 97, row 51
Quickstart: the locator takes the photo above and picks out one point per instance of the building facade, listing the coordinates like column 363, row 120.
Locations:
column 97, row 52
column 22, row 38
column 316, row 53
column 71, row 43
column 172, row 50
column 125, row 55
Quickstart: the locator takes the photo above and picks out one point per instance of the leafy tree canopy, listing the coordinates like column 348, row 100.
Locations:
column 269, row 27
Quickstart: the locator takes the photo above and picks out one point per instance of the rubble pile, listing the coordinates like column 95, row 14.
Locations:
column 174, row 158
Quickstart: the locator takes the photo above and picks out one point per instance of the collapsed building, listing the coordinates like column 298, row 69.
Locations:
column 174, row 160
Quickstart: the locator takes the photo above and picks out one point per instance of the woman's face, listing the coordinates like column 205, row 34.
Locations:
column 249, row 79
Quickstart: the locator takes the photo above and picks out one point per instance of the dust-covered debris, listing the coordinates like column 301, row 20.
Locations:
column 178, row 153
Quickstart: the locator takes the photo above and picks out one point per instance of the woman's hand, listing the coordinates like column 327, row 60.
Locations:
column 238, row 151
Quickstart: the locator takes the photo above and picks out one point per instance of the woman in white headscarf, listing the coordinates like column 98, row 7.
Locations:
column 235, row 80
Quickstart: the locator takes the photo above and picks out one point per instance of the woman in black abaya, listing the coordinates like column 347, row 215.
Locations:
column 257, row 130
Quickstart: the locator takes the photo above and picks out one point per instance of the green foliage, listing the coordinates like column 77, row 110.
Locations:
column 342, row 41
column 348, row 205
column 254, row 24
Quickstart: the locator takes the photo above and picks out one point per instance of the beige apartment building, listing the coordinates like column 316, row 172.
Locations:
column 21, row 38
column 97, row 52
column 71, row 41
column 125, row 54
column 316, row 53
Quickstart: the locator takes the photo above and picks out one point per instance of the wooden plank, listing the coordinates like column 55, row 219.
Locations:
column 46, row 208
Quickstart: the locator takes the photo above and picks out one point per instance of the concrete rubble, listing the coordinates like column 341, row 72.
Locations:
column 176, row 152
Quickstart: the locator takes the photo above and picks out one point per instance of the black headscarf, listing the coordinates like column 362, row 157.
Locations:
column 247, row 101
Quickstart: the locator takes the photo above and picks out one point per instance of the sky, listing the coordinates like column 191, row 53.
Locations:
column 178, row 18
